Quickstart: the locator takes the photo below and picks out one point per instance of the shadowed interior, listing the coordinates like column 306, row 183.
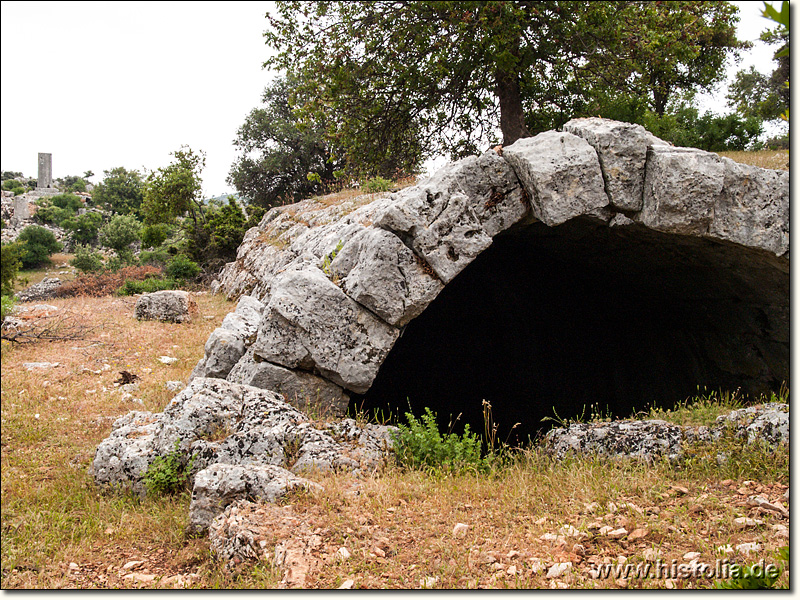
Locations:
column 558, row 320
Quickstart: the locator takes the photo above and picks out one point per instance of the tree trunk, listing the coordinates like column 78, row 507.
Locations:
column 512, row 117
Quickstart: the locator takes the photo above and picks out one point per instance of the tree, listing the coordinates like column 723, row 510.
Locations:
column 84, row 227
column 417, row 77
column 40, row 244
column 174, row 190
column 10, row 264
column 277, row 153
column 121, row 191
column 120, row 233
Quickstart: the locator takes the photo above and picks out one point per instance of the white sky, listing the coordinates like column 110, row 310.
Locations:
column 107, row 84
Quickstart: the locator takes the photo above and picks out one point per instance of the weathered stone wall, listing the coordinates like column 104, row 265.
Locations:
column 672, row 265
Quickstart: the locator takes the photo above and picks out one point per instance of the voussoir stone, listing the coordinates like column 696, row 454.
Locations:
column 174, row 306
column 622, row 151
column 382, row 274
column 311, row 324
column 561, row 173
column 301, row 389
column 753, row 208
column 680, row 189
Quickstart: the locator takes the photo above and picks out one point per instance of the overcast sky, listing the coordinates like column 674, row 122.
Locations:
column 107, row 84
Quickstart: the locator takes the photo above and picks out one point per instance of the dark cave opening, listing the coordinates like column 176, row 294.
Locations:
column 562, row 320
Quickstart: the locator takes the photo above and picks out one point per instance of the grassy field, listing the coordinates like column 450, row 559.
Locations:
column 59, row 531
column 766, row 159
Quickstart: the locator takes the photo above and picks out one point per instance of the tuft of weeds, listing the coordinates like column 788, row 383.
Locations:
column 170, row 474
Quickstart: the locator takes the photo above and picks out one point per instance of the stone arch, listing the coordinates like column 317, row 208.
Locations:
column 601, row 206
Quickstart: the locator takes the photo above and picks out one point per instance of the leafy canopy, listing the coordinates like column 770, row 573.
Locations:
column 121, row 191
column 409, row 79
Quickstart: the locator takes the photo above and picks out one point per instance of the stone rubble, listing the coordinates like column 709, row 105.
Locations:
column 173, row 306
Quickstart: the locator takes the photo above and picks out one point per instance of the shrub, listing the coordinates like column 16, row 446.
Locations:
column 10, row 263
column 12, row 185
column 84, row 227
column 377, row 184
column 87, row 260
column 40, row 243
column 154, row 235
column 146, row 286
column 168, row 474
column 120, row 233
column 47, row 213
column 6, row 306
column 158, row 257
column 182, row 268
column 419, row 444
column 68, row 201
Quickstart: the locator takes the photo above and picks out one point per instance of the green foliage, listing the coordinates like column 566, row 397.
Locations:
column 173, row 191
column 10, row 264
column 12, row 185
column 397, row 82
column 6, row 175
column 158, row 257
column 7, row 303
column 53, row 215
column 684, row 126
column 168, row 474
column 377, row 184
column 419, row 445
column 40, row 243
column 85, row 227
column 182, row 268
column 87, row 260
column 759, row 576
column 326, row 262
column 146, row 286
column 120, row 233
column 121, row 191
column 225, row 227
column 154, row 235
column 278, row 153
column 67, row 201
column 73, row 183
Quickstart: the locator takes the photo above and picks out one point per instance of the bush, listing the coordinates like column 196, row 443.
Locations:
column 68, row 201
column 158, row 257
column 87, row 260
column 40, row 243
column 10, row 264
column 182, row 268
column 53, row 215
column 168, row 474
column 154, row 235
column 120, row 233
column 377, row 184
column 12, row 185
column 419, row 444
column 146, row 286
column 6, row 306
column 84, row 227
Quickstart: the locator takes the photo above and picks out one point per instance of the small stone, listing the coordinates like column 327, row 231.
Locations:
column 605, row 530
column 537, row 566
column 618, row 534
column 622, row 559
column 131, row 565
column 141, row 577
column 579, row 549
column 637, row 534
column 460, row 530
column 548, row 537
column 511, row 571
column 726, row 549
column 669, row 584
column 512, row 554
column 746, row 522
column 591, row 508
column 558, row 570
column 343, row 553
column 347, row 585
column 167, row 360
column 691, row 556
column 569, row 531
column 73, row 566
column 748, row 548
column 679, row 490
column 651, row 555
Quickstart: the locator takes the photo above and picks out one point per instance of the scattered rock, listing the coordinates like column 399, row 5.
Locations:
column 428, row 582
column 32, row 366
column 174, row 386
column 748, row 548
column 559, row 570
column 618, row 534
column 44, row 290
column 347, row 584
column 460, row 530
column 174, row 306
column 167, row 360
column 747, row 522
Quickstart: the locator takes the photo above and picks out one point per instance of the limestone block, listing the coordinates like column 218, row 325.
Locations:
column 219, row 485
column 622, row 151
column 222, row 351
column 561, row 173
column 753, row 208
column 245, row 319
column 381, row 273
column 311, row 324
column 681, row 187
column 173, row 306
column 303, row 390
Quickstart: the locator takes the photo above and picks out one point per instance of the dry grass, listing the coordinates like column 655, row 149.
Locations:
column 397, row 525
column 766, row 159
